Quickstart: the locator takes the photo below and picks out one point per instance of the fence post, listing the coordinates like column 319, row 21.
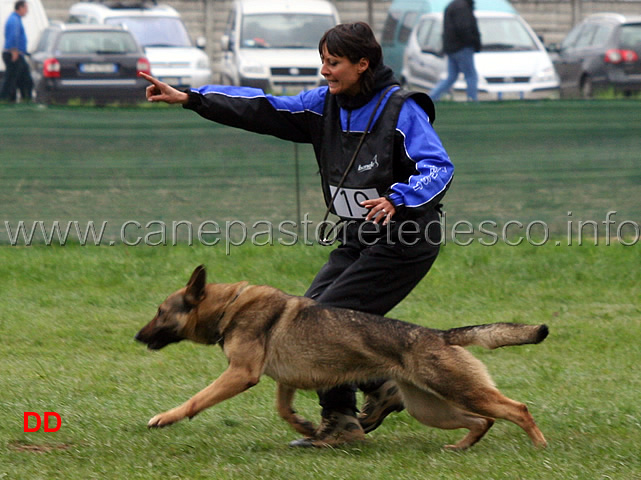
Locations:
column 297, row 174
column 577, row 12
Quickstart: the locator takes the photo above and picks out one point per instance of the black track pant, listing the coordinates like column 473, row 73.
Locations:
column 371, row 280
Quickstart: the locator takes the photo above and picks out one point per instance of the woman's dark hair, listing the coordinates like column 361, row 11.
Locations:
column 354, row 41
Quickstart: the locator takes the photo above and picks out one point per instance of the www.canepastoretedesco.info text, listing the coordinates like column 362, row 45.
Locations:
column 287, row 232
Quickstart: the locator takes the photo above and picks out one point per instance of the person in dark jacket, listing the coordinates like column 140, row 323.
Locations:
column 387, row 192
column 461, row 39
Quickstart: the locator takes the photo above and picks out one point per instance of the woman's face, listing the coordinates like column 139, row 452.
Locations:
column 341, row 74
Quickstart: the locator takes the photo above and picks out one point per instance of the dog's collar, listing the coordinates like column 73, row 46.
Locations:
column 219, row 336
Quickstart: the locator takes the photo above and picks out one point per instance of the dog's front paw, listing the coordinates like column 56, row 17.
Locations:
column 164, row 419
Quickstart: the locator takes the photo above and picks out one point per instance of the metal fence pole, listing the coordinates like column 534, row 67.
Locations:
column 297, row 175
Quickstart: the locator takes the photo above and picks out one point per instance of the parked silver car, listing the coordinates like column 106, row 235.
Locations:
column 512, row 63
column 601, row 52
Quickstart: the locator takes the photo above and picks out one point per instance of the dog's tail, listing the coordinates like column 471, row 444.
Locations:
column 495, row 335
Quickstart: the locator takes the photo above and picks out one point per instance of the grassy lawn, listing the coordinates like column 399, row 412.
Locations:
column 68, row 314
column 515, row 162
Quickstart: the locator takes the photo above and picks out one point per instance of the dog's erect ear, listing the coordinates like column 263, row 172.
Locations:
column 196, row 286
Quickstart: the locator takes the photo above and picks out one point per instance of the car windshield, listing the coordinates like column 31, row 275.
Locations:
column 631, row 37
column 284, row 30
column 500, row 34
column 430, row 36
column 46, row 38
column 96, row 42
column 155, row 31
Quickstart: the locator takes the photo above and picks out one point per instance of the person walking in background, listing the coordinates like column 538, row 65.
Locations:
column 17, row 75
column 461, row 39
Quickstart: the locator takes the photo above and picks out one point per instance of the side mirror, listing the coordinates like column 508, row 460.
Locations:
column 553, row 48
column 201, row 42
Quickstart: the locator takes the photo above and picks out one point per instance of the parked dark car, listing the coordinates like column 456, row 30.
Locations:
column 94, row 63
column 601, row 52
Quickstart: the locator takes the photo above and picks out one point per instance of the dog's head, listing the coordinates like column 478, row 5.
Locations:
column 172, row 321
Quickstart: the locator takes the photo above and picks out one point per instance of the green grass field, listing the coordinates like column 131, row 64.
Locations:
column 68, row 314
column 515, row 162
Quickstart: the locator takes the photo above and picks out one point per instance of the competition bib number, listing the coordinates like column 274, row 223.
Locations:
column 347, row 203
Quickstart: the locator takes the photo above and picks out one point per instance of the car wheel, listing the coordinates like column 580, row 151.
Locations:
column 587, row 89
column 42, row 97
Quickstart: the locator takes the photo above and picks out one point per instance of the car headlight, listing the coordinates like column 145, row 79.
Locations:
column 202, row 63
column 547, row 74
column 252, row 68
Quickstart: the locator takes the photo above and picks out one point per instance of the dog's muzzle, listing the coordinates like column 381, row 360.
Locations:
column 157, row 338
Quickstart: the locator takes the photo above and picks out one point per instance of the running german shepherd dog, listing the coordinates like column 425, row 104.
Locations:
column 302, row 344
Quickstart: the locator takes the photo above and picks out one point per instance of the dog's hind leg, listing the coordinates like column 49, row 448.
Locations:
column 434, row 411
column 461, row 379
column 284, row 399
column 493, row 403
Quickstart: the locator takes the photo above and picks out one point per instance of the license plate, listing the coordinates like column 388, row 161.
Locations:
column 98, row 67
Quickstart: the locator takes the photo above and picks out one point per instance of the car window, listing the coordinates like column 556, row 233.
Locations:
column 601, row 35
column 500, row 34
column 45, row 40
column 389, row 28
column 570, row 40
column 423, row 31
column 433, row 39
column 78, row 18
column 155, row 31
column 96, row 42
column 284, row 30
column 406, row 28
column 631, row 37
column 587, row 34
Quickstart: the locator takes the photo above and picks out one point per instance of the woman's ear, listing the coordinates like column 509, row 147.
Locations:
column 363, row 64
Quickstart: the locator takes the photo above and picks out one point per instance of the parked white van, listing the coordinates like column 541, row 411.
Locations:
column 35, row 21
column 160, row 31
column 273, row 44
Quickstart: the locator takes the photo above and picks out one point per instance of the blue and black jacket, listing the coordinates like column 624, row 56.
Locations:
column 403, row 158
